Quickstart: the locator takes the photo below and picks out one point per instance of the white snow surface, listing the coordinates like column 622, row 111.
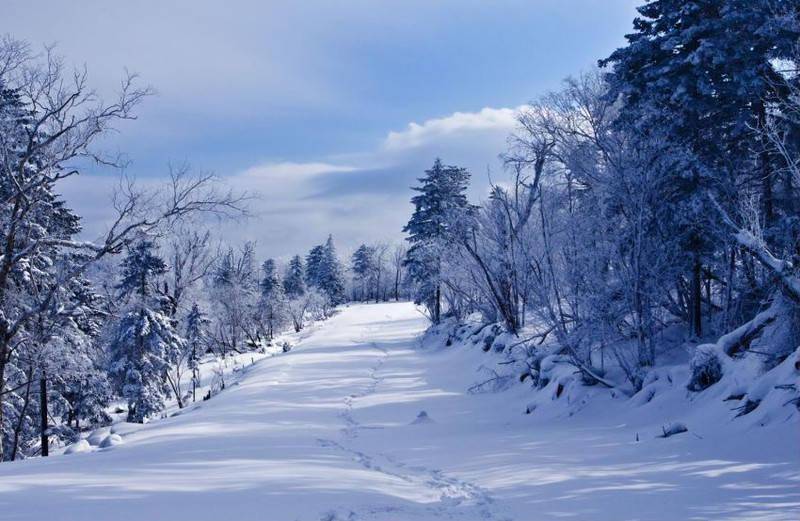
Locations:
column 328, row 432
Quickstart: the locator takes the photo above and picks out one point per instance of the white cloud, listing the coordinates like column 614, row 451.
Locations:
column 358, row 197
column 291, row 171
column 487, row 119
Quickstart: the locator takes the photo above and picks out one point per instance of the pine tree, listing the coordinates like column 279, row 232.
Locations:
column 36, row 302
column 314, row 262
column 145, row 344
column 294, row 281
column 272, row 304
column 687, row 81
column 196, row 332
column 270, row 280
column 437, row 209
column 330, row 276
column 362, row 266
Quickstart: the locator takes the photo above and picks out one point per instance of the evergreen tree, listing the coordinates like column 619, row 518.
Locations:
column 294, row 281
column 140, row 270
column 145, row 344
column 196, row 332
column 45, row 317
column 362, row 266
column 687, row 81
column 330, row 276
column 272, row 304
column 270, row 280
column 314, row 262
column 439, row 205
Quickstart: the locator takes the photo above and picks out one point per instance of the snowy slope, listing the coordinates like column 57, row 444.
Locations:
column 334, row 430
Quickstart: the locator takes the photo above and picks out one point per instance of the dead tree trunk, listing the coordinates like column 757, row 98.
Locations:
column 697, row 296
column 43, row 407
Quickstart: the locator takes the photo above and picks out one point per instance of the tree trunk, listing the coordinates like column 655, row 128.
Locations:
column 729, row 288
column 766, row 173
column 43, row 407
column 2, row 388
column 438, row 305
column 697, row 297
column 21, row 419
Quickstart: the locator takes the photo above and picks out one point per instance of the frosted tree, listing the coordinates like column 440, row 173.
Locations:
column 361, row 265
column 686, row 79
column 196, row 334
column 330, row 274
column 438, row 206
column 191, row 260
column 273, row 311
column 313, row 266
column 398, row 255
column 146, row 343
column 234, row 282
column 50, row 118
column 294, row 281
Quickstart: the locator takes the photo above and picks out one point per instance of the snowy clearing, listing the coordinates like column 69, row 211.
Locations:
column 360, row 422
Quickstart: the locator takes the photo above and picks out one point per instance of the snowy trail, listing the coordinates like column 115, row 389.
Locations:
column 327, row 432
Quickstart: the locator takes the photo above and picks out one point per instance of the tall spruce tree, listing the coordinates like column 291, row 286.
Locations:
column 145, row 343
column 362, row 266
column 272, row 303
column 294, row 281
column 313, row 269
column 196, row 332
column 331, row 278
column 686, row 79
column 439, row 204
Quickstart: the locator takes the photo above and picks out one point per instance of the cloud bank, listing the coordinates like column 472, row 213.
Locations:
column 358, row 197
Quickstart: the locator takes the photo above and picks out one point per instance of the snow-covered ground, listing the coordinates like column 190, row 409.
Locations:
column 334, row 430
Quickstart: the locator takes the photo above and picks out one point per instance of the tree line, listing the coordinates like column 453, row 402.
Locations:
column 124, row 321
column 658, row 191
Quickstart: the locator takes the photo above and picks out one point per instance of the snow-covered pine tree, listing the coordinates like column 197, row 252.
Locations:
column 313, row 268
column 272, row 304
column 330, row 276
column 362, row 267
column 294, row 280
column 686, row 79
column 437, row 207
column 80, row 390
column 270, row 280
column 41, row 305
column 146, row 343
column 196, row 332
column 297, row 294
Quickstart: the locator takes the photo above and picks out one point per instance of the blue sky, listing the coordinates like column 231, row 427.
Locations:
column 327, row 109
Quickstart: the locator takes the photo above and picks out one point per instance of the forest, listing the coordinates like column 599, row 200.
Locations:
column 640, row 246
column 657, row 195
column 87, row 323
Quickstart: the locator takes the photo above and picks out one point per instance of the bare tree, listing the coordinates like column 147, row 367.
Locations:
column 398, row 258
column 191, row 260
column 65, row 120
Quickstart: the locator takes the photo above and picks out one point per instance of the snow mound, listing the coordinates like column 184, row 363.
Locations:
column 422, row 418
column 111, row 440
column 97, row 436
column 672, row 429
column 78, row 446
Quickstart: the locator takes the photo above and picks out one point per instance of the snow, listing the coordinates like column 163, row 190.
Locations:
column 97, row 436
column 328, row 432
column 78, row 446
column 112, row 440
